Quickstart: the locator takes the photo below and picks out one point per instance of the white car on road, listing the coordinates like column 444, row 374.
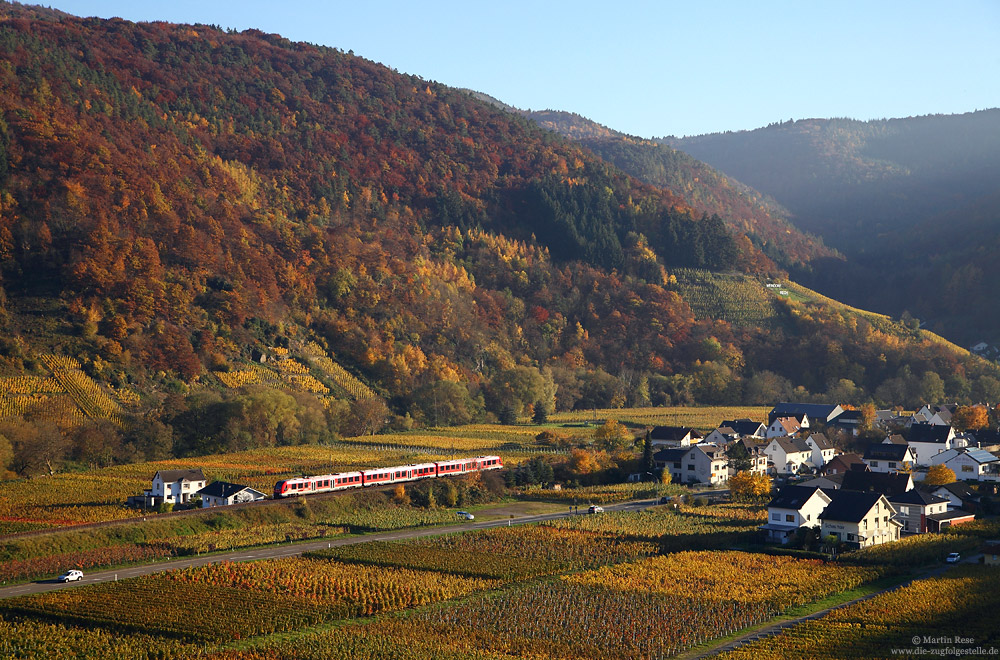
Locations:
column 465, row 515
column 71, row 576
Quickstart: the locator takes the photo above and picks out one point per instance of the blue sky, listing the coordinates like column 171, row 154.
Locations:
column 652, row 68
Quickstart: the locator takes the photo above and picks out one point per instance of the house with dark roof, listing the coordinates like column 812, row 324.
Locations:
column 988, row 439
column 829, row 482
column 673, row 436
column 745, row 427
column 823, row 450
column 842, row 463
column 914, row 506
column 672, row 460
column 754, row 448
column 821, row 412
column 174, row 486
column 889, row 458
column 969, row 463
column 701, row 463
column 223, row 493
column 958, row 494
column 722, row 435
column 789, row 455
column 849, row 421
column 938, row 522
column 859, row 520
column 885, row 483
column 928, row 440
column 792, row 508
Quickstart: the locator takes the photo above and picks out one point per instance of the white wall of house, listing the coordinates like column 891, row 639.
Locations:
column 785, row 463
column 876, row 528
column 820, row 457
column 965, row 467
column 805, row 516
column 924, row 452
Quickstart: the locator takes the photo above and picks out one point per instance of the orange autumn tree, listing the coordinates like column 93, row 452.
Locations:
column 749, row 486
column 970, row 418
column 939, row 475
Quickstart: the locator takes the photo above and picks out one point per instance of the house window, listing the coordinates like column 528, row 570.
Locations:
column 850, row 537
column 892, row 464
column 775, row 516
column 966, row 468
column 677, row 465
column 690, row 467
column 789, row 517
column 874, row 463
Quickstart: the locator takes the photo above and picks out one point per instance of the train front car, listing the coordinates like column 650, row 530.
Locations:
column 281, row 489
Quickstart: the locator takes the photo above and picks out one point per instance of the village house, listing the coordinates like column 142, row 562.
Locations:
column 783, row 427
column 859, row 520
column 889, row 458
column 174, row 486
column 820, row 412
column 958, row 494
column 823, row 450
column 671, row 460
column 746, row 427
column 934, row 415
column 969, row 463
column 789, row 455
column 827, row 481
column 938, row 522
column 884, row 483
column 792, row 508
column 928, row 440
column 698, row 464
column 988, row 439
column 849, row 421
column 755, row 454
column 914, row 506
column 222, row 493
column 673, row 436
column 842, row 463
column 722, row 436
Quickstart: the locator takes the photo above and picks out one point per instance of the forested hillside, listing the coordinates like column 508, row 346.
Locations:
column 214, row 240
column 705, row 188
column 911, row 202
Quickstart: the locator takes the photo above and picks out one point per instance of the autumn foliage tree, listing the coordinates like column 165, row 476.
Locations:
column 749, row 486
column 939, row 475
column 970, row 418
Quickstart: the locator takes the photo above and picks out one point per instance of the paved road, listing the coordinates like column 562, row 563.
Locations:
column 292, row 550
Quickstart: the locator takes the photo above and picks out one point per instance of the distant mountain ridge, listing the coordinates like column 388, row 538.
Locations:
column 911, row 202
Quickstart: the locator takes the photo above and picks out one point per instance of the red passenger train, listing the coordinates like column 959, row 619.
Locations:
column 327, row 483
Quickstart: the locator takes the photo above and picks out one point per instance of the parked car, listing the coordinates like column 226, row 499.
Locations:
column 465, row 515
column 595, row 509
column 666, row 499
column 71, row 576
column 953, row 558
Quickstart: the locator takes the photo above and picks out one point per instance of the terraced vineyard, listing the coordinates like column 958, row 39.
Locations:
column 65, row 398
column 740, row 300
